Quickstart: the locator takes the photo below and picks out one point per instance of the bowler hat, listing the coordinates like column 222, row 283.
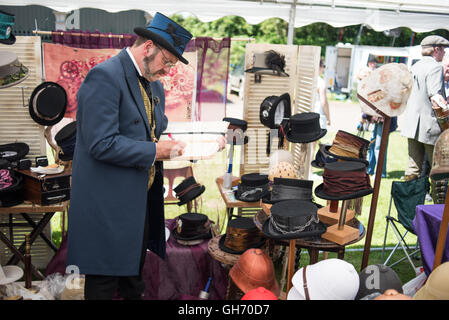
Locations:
column 192, row 226
column 14, row 151
column 12, row 71
column 293, row 219
column 378, row 278
column 6, row 24
column 188, row 190
column 241, row 234
column 48, row 103
column 349, row 147
column 66, row 140
column 344, row 180
column 252, row 187
column 274, row 110
column 168, row 34
column 270, row 63
column 254, row 269
column 305, row 127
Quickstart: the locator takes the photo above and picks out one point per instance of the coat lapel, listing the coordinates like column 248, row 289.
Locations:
column 133, row 86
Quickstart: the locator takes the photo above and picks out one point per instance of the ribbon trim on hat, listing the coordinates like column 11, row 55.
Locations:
column 189, row 188
column 281, row 192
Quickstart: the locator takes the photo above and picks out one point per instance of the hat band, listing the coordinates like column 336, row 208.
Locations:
column 35, row 107
column 281, row 192
column 188, row 189
column 344, row 182
column 287, row 229
column 194, row 230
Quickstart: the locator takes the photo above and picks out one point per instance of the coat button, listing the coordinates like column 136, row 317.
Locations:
column 136, row 121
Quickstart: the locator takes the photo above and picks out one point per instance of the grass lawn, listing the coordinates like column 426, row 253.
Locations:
column 212, row 205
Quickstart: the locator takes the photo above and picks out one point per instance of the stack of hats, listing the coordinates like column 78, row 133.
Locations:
column 305, row 128
column 188, row 190
column 254, row 269
column 344, row 180
column 289, row 189
column 66, row 140
column 349, row 147
column 241, row 234
column 376, row 279
column 252, row 187
column 330, row 279
column 192, row 228
column 12, row 71
column 293, row 219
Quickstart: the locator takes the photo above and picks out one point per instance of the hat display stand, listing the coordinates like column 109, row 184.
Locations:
column 377, row 179
column 331, row 213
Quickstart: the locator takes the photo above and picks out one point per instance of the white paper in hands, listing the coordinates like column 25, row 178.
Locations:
column 387, row 88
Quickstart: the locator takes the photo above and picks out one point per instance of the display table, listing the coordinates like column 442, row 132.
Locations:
column 184, row 272
column 24, row 210
column 427, row 226
column 230, row 201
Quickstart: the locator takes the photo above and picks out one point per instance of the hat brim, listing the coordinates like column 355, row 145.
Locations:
column 143, row 32
column 221, row 245
column 177, row 236
column 267, row 71
column 320, row 228
column 11, row 84
column 19, row 148
column 11, row 40
column 306, row 138
column 12, row 274
column 327, row 151
column 319, row 192
column 192, row 195
column 36, row 117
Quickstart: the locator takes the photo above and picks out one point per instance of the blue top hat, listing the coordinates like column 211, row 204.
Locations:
column 168, row 34
column 6, row 24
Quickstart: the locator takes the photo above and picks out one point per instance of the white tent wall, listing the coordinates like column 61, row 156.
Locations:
column 419, row 16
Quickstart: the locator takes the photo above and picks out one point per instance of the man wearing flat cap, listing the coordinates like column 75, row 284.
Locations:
column 117, row 199
column 420, row 122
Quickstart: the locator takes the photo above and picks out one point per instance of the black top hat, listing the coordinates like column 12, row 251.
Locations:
column 192, row 226
column 252, row 187
column 48, row 103
column 305, row 128
column 14, row 151
column 274, row 110
column 289, row 189
column 344, row 180
column 168, row 34
column 6, row 23
column 349, row 147
column 321, row 158
column 270, row 63
column 188, row 190
column 293, row 219
column 11, row 185
column 66, row 140
column 236, row 129
column 241, row 234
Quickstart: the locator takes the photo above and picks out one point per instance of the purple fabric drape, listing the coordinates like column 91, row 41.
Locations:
column 93, row 40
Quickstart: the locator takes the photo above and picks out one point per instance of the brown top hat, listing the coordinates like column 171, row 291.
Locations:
column 254, row 269
column 241, row 234
column 347, row 146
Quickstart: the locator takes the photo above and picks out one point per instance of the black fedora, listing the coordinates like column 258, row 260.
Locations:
column 305, row 127
column 241, row 234
column 48, row 103
column 192, row 226
column 270, row 63
column 321, row 157
column 349, row 147
column 11, row 185
column 168, row 34
column 289, row 189
column 236, row 129
column 188, row 190
column 274, row 110
column 66, row 140
column 14, row 151
column 252, row 187
column 344, row 180
column 293, row 219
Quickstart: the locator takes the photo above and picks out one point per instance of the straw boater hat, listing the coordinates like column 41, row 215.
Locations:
column 12, row 72
column 168, row 34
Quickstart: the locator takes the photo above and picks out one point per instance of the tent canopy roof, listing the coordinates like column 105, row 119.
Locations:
column 380, row 15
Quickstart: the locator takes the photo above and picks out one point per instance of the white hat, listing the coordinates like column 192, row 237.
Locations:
column 10, row 274
column 330, row 279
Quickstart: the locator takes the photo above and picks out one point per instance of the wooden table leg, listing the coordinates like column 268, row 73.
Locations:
column 341, row 254
column 291, row 263
column 313, row 255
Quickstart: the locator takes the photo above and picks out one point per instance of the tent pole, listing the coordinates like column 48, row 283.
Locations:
column 291, row 23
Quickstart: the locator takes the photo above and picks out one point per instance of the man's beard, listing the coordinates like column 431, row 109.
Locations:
column 146, row 70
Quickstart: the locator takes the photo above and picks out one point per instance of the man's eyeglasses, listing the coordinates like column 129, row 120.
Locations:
column 166, row 61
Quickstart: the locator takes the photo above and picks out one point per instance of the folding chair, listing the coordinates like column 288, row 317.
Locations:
column 406, row 196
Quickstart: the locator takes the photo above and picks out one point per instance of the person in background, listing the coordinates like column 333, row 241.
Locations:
column 321, row 103
column 420, row 123
column 365, row 71
column 445, row 63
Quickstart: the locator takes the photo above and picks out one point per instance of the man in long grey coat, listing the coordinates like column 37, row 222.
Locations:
column 420, row 123
column 117, row 210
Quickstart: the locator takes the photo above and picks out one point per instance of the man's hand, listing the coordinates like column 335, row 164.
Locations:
column 168, row 149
